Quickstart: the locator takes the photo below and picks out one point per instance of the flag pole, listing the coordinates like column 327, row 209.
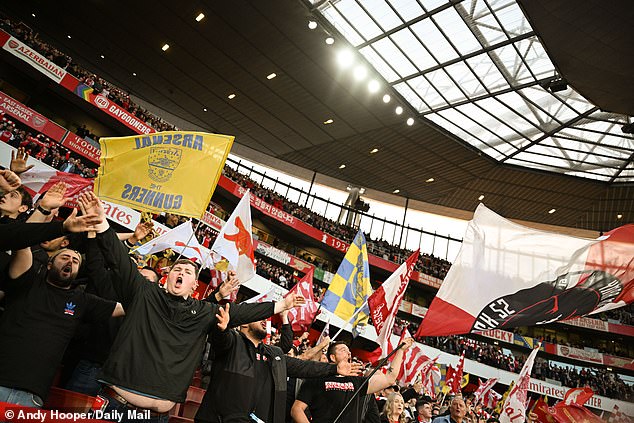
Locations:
column 188, row 240
column 367, row 379
column 358, row 310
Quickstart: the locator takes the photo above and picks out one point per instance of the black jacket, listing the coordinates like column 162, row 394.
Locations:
column 231, row 395
column 162, row 338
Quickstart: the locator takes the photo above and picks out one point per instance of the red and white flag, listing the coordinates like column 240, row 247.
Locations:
column 386, row 300
column 302, row 317
column 508, row 275
column 182, row 241
column 38, row 181
column 514, row 407
column 453, row 376
column 483, row 388
column 414, row 360
column 235, row 241
column 491, row 398
column 618, row 416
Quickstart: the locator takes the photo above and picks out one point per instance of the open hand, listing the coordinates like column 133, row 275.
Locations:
column 9, row 180
column 84, row 223
column 293, row 300
column 230, row 285
column 223, row 317
column 346, row 368
column 142, row 230
column 54, row 197
column 89, row 203
column 18, row 161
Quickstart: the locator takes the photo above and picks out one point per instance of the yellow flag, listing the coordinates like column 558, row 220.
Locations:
column 465, row 380
column 173, row 171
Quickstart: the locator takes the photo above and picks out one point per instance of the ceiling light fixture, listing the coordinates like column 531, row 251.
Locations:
column 551, row 211
column 102, row 56
column 204, row 109
column 271, row 75
column 69, row 37
column 398, row 110
column 312, row 24
column 410, row 121
column 200, row 17
column 480, row 198
column 33, row 14
column 133, row 73
column 386, row 98
column 396, row 191
column 345, row 58
column 430, row 180
column 619, row 216
column 330, row 41
column 343, row 166
column 360, row 72
column 231, row 96
column 374, row 150
column 165, row 47
column 328, row 122
column 373, row 86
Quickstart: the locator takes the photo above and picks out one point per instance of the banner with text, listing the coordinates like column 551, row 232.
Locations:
column 161, row 172
column 24, row 114
column 32, row 57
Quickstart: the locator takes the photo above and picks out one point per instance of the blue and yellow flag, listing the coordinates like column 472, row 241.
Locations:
column 173, row 171
column 350, row 287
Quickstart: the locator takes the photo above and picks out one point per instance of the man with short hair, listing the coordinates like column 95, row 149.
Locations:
column 162, row 338
column 42, row 313
column 423, row 411
column 253, row 376
column 326, row 397
column 457, row 412
column 14, row 203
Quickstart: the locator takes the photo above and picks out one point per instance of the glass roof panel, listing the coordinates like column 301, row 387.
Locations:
column 414, row 50
column 445, row 85
column 469, row 83
column 382, row 13
column 388, row 50
column 379, row 64
column 407, row 9
column 477, row 69
column 427, row 92
column 358, row 18
column 457, row 31
column 410, row 95
column 342, row 25
column 437, row 44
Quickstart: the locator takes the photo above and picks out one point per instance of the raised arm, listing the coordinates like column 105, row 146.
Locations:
column 381, row 381
column 286, row 338
column 52, row 200
column 127, row 280
column 21, row 262
column 247, row 313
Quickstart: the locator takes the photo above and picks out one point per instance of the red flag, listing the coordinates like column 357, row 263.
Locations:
column 454, row 379
column 578, row 396
column 491, row 398
column 386, row 300
column 302, row 317
column 573, row 413
column 508, row 275
column 542, row 410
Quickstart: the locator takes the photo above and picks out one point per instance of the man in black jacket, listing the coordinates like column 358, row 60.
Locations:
column 163, row 335
column 248, row 382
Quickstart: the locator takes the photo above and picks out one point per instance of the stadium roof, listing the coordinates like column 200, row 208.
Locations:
column 471, row 74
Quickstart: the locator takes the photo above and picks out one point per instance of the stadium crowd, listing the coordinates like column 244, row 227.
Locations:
column 65, row 265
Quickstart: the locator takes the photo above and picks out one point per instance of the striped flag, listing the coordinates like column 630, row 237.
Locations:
column 483, row 388
column 347, row 295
